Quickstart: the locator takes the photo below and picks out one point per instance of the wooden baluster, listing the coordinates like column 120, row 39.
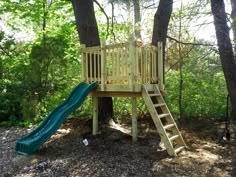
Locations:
column 95, row 58
column 87, row 66
column 142, row 65
column 99, row 66
column 131, row 63
column 103, row 64
column 91, row 66
column 146, row 64
column 83, row 62
column 155, row 64
column 152, row 63
column 160, row 66
column 118, row 64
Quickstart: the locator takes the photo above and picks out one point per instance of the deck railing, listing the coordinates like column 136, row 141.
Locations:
column 124, row 66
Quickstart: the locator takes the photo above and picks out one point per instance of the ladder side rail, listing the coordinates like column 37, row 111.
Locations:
column 158, row 123
column 175, row 130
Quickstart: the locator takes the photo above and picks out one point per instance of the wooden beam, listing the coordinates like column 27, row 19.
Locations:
column 160, row 66
column 120, row 88
column 83, row 62
column 131, row 62
column 115, row 94
column 103, row 64
column 95, row 115
column 134, row 119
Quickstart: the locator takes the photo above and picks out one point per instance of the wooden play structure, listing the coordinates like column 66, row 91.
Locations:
column 132, row 70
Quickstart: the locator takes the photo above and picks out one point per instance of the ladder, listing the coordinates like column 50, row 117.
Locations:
column 163, row 120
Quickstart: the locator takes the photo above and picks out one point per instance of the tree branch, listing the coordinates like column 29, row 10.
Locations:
column 189, row 43
column 104, row 12
column 112, row 21
column 4, row 51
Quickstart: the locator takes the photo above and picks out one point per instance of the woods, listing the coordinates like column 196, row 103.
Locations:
column 55, row 43
column 225, row 50
column 117, row 88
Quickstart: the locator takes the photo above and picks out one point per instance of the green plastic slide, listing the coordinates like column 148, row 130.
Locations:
column 31, row 142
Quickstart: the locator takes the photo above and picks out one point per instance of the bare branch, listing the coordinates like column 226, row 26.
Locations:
column 189, row 43
column 112, row 21
column 153, row 6
column 4, row 51
column 104, row 12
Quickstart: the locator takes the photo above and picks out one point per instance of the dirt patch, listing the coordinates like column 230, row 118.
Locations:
column 112, row 153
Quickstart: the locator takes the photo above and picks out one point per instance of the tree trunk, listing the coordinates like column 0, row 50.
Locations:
column 88, row 33
column 137, row 19
column 225, row 50
column 161, row 22
column 233, row 24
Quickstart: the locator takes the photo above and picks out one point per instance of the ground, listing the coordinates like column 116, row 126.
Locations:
column 112, row 153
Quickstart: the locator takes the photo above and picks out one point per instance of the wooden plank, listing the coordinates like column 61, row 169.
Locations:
column 163, row 115
column 117, row 62
column 83, row 62
column 178, row 149
column 159, row 105
column 95, row 65
column 155, row 65
column 142, row 64
column 126, row 61
column 91, row 49
column 113, row 62
column 137, row 66
column 174, row 137
column 152, row 66
column 87, row 67
column 120, row 45
column 118, row 78
column 103, row 64
column 134, row 119
column 169, row 126
column 131, row 62
column 90, row 66
column 146, row 66
column 99, row 66
column 95, row 115
column 154, row 94
column 160, row 66
column 115, row 94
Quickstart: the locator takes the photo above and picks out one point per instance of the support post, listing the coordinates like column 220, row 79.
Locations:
column 131, row 62
column 103, row 64
column 160, row 66
column 83, row 62
column 95, row 115
column 134, row 119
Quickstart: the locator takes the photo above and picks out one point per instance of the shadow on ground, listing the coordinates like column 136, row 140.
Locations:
column 112, row 153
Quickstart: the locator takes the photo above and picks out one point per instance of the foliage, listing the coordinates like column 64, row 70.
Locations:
column 39, row 71
column 204, row 89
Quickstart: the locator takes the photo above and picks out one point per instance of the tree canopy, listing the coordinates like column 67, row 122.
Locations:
column 40, row 61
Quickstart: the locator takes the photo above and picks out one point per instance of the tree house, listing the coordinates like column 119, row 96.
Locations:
column 132, row 70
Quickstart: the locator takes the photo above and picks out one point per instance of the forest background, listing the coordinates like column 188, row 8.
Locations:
column 40, row 58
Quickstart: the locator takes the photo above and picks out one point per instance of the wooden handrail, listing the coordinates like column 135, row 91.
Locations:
column 129, row 63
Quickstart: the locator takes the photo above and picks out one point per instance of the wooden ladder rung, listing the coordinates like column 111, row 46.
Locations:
column 174, row 137
column 159, row 105
column 154, row 94
column 178, row 149
column 163, row 115
column 168, row 126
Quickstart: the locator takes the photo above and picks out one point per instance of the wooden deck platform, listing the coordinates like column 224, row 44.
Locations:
column 131, row 70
